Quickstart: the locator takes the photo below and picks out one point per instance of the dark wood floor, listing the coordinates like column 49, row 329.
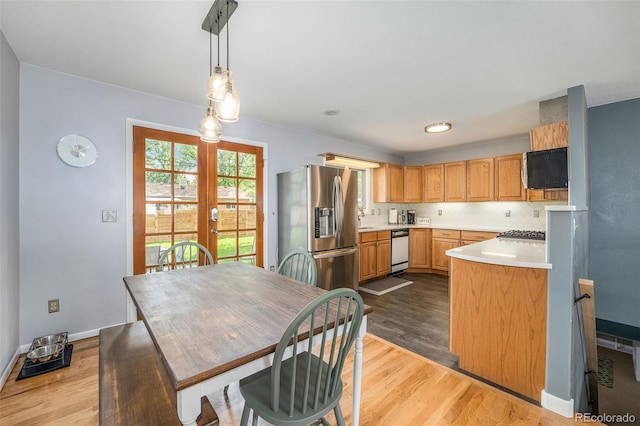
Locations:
column 415, row 317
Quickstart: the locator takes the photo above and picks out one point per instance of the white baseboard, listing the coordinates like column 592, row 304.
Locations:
column 615, row 345
column 7, row 371
column 557, row 405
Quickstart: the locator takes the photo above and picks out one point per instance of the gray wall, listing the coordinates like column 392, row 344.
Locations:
column 614, row 157
column 9, row 238
column 492, row 148
column 66, row 251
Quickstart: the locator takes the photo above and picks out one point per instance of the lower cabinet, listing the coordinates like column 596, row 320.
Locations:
column 441, row 241
column 374, row 254
column 419, row 248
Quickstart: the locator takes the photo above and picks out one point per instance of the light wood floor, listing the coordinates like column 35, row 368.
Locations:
column 399, row 388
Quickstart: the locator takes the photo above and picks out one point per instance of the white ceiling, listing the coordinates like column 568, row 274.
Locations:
column 390, row 67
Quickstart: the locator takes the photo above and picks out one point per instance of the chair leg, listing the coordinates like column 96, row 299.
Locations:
column 339, row 417
column 245, row 416
column 226, row 389
column 255, row 419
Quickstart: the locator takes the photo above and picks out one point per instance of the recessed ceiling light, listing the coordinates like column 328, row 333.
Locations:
column 332, row 112
column 437, row 127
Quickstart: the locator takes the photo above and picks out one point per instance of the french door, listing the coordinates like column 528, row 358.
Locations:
column 188, row 190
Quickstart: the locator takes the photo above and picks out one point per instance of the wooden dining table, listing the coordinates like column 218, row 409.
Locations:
column 214, row 325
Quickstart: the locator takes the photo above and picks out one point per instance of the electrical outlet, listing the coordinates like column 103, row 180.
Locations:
column 54, row 305
column 507, row 213
column 272, row 268
column 439, row 212
column 536, row 213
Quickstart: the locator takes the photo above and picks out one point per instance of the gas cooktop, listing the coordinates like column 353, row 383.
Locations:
column 527, row 235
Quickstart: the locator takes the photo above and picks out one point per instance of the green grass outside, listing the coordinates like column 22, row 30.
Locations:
column 226, row 246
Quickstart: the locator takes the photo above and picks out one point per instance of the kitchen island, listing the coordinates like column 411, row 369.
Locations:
column 498, row 312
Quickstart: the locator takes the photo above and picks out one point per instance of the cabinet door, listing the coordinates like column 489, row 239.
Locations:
column 396, row 191
column 554, row 135
column 480, row 179
column 367, row 261
column 509, row 186
column 412, row 184
column 455, row 180
column 388, row 183
column 383, row 257
column 440, row 260
column 434, row 183
column 420, row 248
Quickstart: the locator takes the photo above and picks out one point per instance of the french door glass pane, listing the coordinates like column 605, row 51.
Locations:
column 247, row 163
column 185, row 187
column 158, row 186
column 247, row 192
column 247, row 241
column 185, row 158
column 158, row 218
column 227, row 190
column 157, row 154
column 247, row 216
column 227, row 217
column 227, row 244
column 186, row 218
column 226, row 163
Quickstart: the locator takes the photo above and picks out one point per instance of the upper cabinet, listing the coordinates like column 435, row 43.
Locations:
column 455, row 180
column 509, row 186
column 412, row 184
column 388, row 183
column 433, row 183
column 480, row 179
column 549, row 136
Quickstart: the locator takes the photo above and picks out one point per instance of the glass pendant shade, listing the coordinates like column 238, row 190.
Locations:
column 210, row 129
column 216, row 83
column 228, row 108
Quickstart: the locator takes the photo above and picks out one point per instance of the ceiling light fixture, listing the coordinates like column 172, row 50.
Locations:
column 224, row 104
column 347, row 161
column 437, row 128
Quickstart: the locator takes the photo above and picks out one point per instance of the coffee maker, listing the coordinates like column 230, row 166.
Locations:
column 411, row 217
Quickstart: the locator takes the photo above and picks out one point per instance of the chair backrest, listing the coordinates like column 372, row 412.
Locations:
column 317, row 382
column 300, row 266
column 185, row 254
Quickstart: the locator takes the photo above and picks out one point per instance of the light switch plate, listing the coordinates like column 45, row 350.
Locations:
column 109, row 215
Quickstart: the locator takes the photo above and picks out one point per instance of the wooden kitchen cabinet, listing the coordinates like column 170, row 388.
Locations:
column 413, row 184
column 388, row 183
column 374, row 254
column 433, row 183
column 419, row 248
column 508, row 178
column 549, row 136
column 455, row 181
column 470, row 237
column 441, row 241
column 480, row 179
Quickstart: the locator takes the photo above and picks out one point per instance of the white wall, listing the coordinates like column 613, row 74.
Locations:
column 9, row 238
column 66, row 251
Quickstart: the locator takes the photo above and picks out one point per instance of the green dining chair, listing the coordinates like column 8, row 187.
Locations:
column 185, row 254
column 303, row 388
column 300, row 266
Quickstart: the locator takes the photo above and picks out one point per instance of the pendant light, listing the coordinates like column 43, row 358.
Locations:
column 227, row 106
column 218, row 78
column 210, row 129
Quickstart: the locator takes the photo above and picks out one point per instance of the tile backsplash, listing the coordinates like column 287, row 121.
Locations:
column 521, row 215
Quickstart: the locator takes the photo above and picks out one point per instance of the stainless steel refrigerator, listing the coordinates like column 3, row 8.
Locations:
column 318, row 213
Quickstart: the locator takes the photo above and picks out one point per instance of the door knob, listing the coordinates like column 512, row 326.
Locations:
column 214, row 231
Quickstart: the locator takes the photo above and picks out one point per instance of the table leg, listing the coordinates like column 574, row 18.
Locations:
column 357, row 373
column 189, row 405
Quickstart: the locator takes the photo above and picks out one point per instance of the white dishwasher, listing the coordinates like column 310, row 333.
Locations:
column 399, row 249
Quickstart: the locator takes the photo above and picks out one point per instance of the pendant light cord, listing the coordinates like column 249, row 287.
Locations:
column 218, row 34
column 227, row 36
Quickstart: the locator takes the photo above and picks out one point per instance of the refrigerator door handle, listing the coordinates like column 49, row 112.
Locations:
column 335, row 253
column 338, row 205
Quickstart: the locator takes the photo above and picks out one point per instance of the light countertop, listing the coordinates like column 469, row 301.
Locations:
column 369, row 228
column 505, row 251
